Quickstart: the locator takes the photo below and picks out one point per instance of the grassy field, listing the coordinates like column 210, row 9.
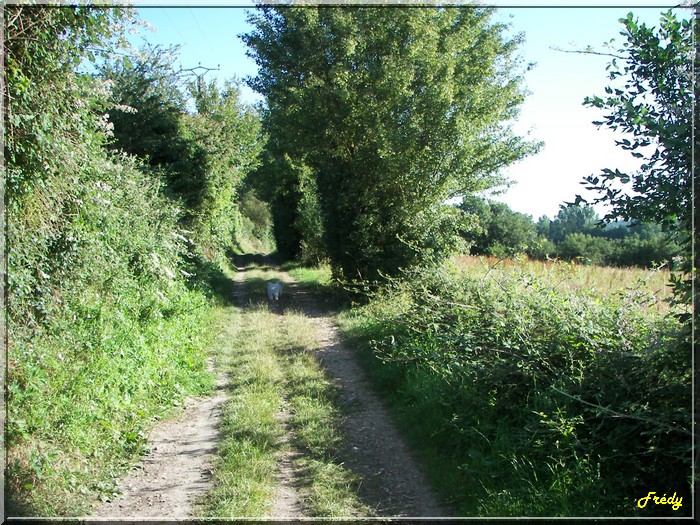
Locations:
column 535, row 389
column 597, row 280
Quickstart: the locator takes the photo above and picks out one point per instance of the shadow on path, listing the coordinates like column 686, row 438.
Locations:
column 393, row 483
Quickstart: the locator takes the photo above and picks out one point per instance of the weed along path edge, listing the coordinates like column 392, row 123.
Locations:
column 177, row 469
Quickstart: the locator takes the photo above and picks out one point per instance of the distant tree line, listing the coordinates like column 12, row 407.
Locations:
column 575, row 234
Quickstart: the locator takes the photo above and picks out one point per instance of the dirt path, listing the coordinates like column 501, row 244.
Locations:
column 177, row 471
column 393, row 484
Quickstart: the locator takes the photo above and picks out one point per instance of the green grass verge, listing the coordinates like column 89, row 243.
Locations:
column 318, row 281
column 81, row 401
column 315, row 417
column 270, row 364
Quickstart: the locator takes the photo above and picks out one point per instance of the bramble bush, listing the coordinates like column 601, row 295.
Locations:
column 535, row 399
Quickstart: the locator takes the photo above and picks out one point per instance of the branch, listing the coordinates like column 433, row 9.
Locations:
column 587, row 52
column 627, row 416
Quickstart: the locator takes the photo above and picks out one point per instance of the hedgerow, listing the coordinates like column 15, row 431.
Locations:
column 535, row 399
column 103, row 335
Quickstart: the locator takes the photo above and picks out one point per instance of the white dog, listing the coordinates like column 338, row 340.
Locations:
column 274, row 290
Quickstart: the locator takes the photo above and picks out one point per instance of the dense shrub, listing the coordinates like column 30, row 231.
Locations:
column 103, row 334
column 585, row 248
column 544, row 401
column 102, row 331
column 202, row 156
column 503, row 232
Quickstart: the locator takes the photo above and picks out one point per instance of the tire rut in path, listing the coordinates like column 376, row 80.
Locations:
column 392, row 482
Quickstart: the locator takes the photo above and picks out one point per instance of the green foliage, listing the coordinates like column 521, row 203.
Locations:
column 585, row 248
column 229, row 141
column 202, row 157
column 103, row 331
column 277, row 181
column 148, row 101
column 392, row 111
column 103, row 334
column 651, row 250
column 541, row 248
column 656, row 69
column 533, row 399
column 309, row 220
column 256, row 224
column 572, row 219
column 650, row 77
column 575, row 233
column 42, row 126
column 505, row 232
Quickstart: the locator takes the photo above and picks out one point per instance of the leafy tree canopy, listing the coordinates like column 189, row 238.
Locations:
column 394, row 111
column 503, row 232
column 573, row 219
column 649, row 100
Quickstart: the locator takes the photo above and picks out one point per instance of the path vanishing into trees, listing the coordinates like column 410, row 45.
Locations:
column 180, row 467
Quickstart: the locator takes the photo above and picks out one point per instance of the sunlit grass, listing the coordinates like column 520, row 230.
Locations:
column 315, row 419
column 82, row 402
column 562, row 275
column 320, row 275
column 250, row 430
column 269, row 357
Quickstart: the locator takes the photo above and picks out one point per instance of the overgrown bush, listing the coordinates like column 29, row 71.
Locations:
column 103, row 334
column 255, row 234
column 536, row 400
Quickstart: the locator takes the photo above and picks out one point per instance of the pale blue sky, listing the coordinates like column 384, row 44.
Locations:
column 553, row 113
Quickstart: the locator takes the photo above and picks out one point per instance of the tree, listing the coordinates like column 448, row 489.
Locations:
column 652, row 76
column 572, row 219
column 202, row 156
column 226, row 134
column 278, row 181
column 585, row 248
column 514, row 231
column 147, row 120
column 394, row 111
column 543, row 225
column 504, row 232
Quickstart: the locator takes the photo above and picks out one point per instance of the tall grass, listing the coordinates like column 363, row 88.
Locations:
column 535, row 390
column 600, row 280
